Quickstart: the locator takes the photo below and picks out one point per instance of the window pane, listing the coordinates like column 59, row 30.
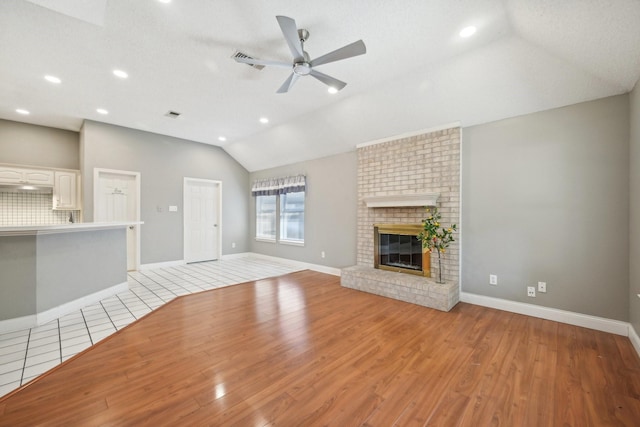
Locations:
column 292, row 217
column 266, row 217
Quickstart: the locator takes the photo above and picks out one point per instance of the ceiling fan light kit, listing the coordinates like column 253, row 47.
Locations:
column 302, row 64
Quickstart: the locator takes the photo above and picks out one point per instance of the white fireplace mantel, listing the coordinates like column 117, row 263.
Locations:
column 402, row 200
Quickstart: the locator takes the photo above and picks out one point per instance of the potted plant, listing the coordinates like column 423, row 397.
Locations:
column 436, row 237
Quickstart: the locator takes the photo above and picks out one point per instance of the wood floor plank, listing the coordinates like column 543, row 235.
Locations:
column 570, row 399
column 301, row 350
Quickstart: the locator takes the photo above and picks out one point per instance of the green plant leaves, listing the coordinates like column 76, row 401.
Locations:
column 435, row 236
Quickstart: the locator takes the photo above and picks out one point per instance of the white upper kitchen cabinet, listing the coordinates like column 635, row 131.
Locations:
column 65, row 190
column 14, row 175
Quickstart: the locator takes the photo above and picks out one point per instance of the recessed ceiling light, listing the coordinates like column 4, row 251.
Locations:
column 102, row 111
column 164, row 1
column 52, row 79
column 22, row 111
column 121, row 74
column 264, row 120
column 468, row 31
column 222, row 138
column 332, row 90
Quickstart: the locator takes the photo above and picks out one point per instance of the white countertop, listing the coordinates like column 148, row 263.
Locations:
column 30, row 230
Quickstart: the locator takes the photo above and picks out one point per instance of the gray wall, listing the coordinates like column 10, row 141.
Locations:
column 330, row 211
column 25, row 144
column 634, row 232
column 163, row 162
column 17, row 276
column 545, row 197
column 77, row 264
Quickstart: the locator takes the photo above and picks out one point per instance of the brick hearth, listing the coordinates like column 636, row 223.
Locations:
column 404, row 287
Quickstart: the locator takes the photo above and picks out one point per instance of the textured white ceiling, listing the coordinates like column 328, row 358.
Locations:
column 89, row 11
column 528, row 55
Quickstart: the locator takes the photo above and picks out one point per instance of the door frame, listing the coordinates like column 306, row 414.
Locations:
column 136, row 177
column 186, row 182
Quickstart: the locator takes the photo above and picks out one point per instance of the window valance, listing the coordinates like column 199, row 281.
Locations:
column 283, row 185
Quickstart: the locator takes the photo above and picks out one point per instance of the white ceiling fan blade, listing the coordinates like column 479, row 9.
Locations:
column 348, row 51
column 328, row 80
column 290, row 32
column 255, row 61
column 288, row 84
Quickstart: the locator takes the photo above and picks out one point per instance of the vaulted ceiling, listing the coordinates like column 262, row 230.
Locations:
column 526, row 56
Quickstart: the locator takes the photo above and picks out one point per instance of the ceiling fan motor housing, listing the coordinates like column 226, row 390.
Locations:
column 302, row 68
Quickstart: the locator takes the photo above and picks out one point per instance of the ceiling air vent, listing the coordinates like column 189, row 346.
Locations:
column 172, row 114
column 239, row 54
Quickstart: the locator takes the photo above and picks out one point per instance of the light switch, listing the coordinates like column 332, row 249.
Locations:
column 173, row 209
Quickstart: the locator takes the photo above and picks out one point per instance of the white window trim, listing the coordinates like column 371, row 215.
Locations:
column 265, row 240
column 291, row 242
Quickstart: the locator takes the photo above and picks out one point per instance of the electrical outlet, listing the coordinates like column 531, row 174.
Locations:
column 531, row 291
column 233, row 245
column 493, row 279
column 542, row 287
column 322, row 254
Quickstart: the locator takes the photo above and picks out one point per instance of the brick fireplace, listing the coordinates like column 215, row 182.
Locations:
column 397, row 178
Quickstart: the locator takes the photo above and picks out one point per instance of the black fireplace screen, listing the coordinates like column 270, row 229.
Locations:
column 399, row 250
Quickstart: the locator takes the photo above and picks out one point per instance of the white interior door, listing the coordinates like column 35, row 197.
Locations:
column 202, row 231
column 116, row 199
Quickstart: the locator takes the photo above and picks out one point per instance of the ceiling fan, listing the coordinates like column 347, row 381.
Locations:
column 302, row 65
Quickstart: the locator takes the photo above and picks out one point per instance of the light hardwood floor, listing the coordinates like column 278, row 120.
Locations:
column 299, row 350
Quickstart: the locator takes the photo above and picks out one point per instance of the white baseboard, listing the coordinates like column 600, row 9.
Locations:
column 165, row 264
column 46, row 316
column 176, row 263
column 18, row 323
column 236, row 256
column 295, row 264
column 298, row 264
column 635, row 339
column 592, row 322
column 77, row 304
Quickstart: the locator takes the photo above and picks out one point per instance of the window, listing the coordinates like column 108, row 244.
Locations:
column 266, row 217
column 292, row 217
column 280, row 209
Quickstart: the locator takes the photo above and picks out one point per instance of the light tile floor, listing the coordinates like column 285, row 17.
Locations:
column 31, row 352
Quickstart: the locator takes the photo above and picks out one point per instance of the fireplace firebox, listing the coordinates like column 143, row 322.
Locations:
column 397, row 248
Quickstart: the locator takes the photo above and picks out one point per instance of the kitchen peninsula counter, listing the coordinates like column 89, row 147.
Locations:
column 47, row 271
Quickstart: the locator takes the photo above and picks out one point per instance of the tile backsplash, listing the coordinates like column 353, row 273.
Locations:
column 27, row 208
